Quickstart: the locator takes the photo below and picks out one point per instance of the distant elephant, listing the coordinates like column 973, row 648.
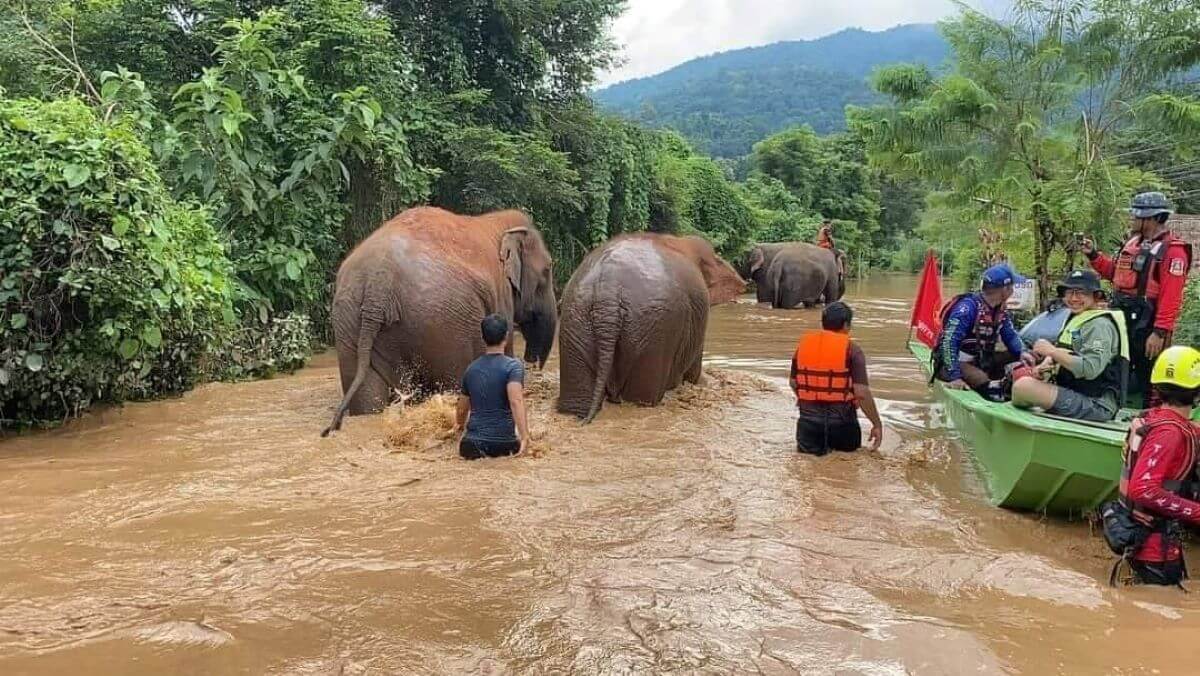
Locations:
column 790, row 274
column 633, row 319
column 410, row 298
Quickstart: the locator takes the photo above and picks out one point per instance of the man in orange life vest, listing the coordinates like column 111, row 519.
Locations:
column 829, row 377
column 1148, row 277
column 1158, row 482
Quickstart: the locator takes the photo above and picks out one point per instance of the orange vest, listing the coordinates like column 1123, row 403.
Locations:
column 822, row 369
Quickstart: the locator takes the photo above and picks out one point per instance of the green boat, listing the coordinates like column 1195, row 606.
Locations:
column 1033, row 461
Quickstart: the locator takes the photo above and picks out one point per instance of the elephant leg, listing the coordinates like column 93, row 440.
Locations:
column 648, row 381
column 576, row 369
column 693, row 373
column 373, row 395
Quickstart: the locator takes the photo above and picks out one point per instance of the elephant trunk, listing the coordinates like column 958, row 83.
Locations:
column 366, row 342
column 539, row 337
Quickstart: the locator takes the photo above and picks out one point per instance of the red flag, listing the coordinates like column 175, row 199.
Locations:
column 926, row 316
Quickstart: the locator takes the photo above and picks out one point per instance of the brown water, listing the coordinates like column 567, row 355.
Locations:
column 217, row 533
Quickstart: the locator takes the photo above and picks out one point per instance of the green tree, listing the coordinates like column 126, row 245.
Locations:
column 1027, row 118
column 249, row 138
column 522, row 52
column 109, row 288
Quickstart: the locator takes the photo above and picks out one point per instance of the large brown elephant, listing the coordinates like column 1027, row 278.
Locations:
column 791, row 274
column 410, row 298
column 633, row 319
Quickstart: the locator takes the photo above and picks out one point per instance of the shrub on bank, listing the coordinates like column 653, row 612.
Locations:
column 109, row 288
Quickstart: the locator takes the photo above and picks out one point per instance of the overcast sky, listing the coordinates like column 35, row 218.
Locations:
column 658, row 34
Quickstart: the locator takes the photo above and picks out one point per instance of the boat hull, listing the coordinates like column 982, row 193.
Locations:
column 1030, row 461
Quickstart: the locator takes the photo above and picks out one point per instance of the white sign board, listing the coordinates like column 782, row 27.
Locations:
column 1024, row 296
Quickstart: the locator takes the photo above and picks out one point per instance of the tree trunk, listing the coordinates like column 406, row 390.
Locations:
column 1043, row 242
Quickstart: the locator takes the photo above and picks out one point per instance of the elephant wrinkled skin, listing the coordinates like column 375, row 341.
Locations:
column 791, row 274
column 410, row 298
column 633, row 319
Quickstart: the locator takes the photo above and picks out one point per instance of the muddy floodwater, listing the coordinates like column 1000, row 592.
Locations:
column 217, row 533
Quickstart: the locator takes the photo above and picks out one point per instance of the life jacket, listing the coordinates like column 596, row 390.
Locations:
column 1127, row 527
column 981, row 341
column 822, row 368
column 1115, row 376
column 1138, row 266
column 1183, row 484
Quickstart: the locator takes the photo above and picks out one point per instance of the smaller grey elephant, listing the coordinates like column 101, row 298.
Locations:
column 795, row 274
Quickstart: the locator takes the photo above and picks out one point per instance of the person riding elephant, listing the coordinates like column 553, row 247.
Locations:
column 410, row 297
column 633, row 319
column 790, row 274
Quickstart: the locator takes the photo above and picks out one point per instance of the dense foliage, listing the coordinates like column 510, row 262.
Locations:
column 727, row 102
column 109, row 288
column 1023, row 132
column 798, row 178
column 263, row 138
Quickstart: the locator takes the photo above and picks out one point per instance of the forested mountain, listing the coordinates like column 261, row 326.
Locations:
column 726, row 102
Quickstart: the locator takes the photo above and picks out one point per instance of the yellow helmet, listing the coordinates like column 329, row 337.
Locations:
column 1178, row 366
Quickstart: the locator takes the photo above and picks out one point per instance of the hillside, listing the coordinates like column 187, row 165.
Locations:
column 726, row 102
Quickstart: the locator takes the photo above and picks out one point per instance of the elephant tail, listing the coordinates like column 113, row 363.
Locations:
column 366, row 342
column 606, row 352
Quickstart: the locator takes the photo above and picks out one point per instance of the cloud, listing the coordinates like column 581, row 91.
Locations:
column 659, row 34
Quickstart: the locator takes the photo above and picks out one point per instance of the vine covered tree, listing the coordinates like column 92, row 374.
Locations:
column 1028, row 117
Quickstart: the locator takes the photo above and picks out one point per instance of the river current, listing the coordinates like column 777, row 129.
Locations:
column 218, row 533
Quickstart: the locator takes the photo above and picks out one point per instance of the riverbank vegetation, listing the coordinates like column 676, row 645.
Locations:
column 1045, row 125
column 179, row 179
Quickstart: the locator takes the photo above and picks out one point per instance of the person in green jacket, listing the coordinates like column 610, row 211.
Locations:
column 1089, row 361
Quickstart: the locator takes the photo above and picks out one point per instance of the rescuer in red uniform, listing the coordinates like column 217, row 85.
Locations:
column 1158, row 489
column 1148, row 277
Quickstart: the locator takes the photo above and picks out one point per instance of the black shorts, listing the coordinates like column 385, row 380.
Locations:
column 1167, row 573
column 474, row 449
column 818, row 436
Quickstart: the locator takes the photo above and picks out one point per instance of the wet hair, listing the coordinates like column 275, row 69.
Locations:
column 494, row 328
column 836, row 316
column 1174, row 395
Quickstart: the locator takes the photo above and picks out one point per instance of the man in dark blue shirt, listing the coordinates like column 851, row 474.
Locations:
column 972, row 325
column 491, row 406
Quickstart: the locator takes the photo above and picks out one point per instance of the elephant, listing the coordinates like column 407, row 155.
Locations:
column 410, row 298
column 633, row 319
column 791, row 274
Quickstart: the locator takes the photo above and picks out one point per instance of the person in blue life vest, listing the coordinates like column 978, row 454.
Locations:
column 972, row 326
column 1089, row 362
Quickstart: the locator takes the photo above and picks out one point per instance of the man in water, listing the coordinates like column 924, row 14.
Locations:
column 972, row 324
column 1090, row 357
column 1158, row 481
column 1148, row 276
column 829, row 378
column 492, row 402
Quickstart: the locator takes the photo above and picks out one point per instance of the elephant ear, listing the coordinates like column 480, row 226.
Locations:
column 756, row 260
column 510, row 255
